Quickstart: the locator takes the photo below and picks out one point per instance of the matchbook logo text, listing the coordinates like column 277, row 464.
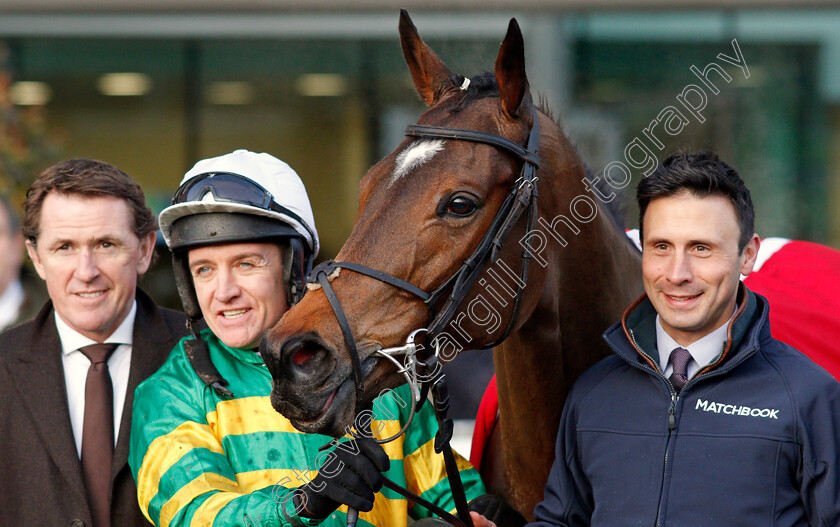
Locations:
column 734, row 409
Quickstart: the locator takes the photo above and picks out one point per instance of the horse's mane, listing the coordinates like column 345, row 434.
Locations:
column 486, row 85
column 614, row 209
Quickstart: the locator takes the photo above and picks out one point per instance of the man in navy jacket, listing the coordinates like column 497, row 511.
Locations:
column 741, row 430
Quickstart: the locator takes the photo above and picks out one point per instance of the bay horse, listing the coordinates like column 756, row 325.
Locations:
column 423, row 210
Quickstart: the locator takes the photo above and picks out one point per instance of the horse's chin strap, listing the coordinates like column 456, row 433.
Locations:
column 521, row 198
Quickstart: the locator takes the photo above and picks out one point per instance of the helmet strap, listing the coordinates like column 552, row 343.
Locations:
column 199, row 355
column 184, row 284
column 295, row 270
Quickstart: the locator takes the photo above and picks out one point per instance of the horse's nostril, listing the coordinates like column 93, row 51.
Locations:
column 305, row 358
column 302, row 355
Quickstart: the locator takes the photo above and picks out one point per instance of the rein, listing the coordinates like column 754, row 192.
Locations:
column 521, row 198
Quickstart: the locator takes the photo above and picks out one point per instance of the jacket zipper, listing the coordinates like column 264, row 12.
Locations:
column 672, row 424
column 672, row 421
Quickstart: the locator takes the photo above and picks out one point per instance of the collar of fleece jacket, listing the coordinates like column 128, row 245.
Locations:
column 638, row 326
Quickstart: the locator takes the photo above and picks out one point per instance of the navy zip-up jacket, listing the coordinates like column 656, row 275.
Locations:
column 752, row 440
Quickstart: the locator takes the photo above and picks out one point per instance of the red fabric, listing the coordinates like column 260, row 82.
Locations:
column 802, row 282
column 485, row 421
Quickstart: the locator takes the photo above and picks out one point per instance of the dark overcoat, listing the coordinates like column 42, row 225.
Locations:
column 40, row 473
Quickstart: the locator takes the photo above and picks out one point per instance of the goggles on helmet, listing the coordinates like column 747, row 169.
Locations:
column 227, row 186
column 224, row 186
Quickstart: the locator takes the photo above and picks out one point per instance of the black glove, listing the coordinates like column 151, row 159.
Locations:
column 351, row 478
column 497, row 510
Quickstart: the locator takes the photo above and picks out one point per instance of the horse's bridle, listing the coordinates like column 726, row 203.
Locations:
column 521, row 198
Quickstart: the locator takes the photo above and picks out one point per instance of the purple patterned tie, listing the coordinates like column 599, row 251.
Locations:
column 679, row 359
column 98, row 432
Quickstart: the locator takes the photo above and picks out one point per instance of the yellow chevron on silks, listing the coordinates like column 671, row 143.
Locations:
column 260, row 479
column 165, row 451
column 255, row 414
column 207, row 482
column 385, row 511
column 250, row 415
column 429, row 467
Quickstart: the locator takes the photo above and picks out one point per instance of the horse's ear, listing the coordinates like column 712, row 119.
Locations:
column 510, row 70
column 431, row 76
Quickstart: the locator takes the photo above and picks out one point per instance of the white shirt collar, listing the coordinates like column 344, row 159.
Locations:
column 72, row 340
column 703, row 351
column 10, row 302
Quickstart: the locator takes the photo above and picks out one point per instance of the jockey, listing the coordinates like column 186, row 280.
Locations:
column 207, row 447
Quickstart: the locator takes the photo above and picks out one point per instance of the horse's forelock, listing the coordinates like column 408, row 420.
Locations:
column 486, row 85
column 480, row 87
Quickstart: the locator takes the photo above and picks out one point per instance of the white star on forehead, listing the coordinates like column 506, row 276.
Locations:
column 414, row 156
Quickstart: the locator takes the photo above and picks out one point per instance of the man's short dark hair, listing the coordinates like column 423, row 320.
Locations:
column 86, row 177
column 702, row 174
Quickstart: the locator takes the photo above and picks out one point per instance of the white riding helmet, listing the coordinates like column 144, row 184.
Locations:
column 238, row 197
column 281, row 185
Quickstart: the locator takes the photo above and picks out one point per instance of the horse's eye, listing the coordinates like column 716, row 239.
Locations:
column 461, row 206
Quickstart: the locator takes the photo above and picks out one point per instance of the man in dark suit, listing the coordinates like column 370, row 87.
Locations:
column 67, row 378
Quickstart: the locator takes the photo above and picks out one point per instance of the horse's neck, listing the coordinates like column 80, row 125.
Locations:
column 590, row 282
